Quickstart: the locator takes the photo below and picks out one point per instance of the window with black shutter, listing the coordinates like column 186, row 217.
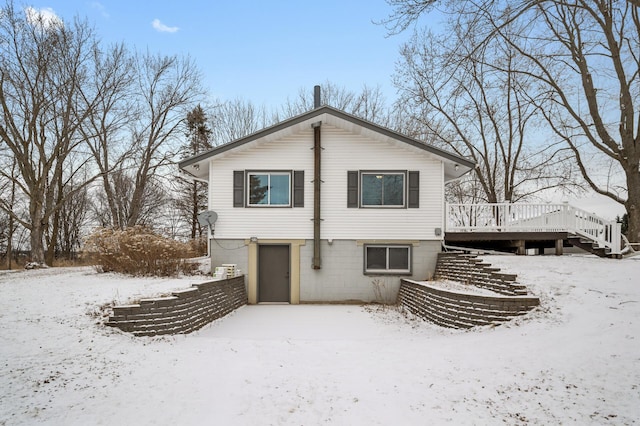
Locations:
column 383, row 189
column 268, row 188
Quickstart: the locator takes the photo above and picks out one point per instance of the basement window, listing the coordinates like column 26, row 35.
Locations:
column 387, row 259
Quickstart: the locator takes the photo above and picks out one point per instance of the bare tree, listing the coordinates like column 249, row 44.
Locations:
column 72, row 218
column 110, row 203
column 405, row 13
column 156, row 195
column 467, row 189
column 105, row 129
column 236, row 118
column 479, row 109
column 583, row 56
column 7, row 222
column 61, row 93
column 590, row 69
column 13, row 204
column 368, row 104
column 168, row 86
column 42, row 64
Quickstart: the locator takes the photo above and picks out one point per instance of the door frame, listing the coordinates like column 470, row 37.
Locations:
column 294, row 267
column 288, row 274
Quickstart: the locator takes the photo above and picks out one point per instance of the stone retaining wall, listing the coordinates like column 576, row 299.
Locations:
column 182, row 312
column 468, row 269
column 464, row 310
column 461, row 310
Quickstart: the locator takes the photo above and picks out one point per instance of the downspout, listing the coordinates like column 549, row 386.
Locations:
column 317, row 150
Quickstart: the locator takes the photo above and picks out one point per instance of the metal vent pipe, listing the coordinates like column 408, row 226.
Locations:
column 317, row 180
column 317, row 150
column 316, row 97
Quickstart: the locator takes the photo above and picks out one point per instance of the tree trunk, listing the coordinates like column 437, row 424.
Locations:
column 111, row 202
column 50, row 253
column 12, row 224
column 10, row 242
column 135, row 206
column 37, row 244
column 36, row 217
column 633, row 207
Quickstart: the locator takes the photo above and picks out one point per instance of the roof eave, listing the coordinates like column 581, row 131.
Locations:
column 463, row 162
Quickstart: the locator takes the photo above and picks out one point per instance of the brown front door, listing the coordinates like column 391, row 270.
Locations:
column 273, row 273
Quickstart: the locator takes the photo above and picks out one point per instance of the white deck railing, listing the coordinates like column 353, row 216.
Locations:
column 520, row 217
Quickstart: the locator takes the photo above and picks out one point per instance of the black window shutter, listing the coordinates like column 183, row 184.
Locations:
column 238, row 188
column 298, row 188
column 352, row 189
column 414, row 190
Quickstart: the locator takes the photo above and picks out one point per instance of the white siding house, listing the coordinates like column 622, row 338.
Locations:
column 380, row 205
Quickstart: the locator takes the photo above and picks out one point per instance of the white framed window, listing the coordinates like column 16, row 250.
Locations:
column 387, row 259
column 382, row 189
column 269, row 189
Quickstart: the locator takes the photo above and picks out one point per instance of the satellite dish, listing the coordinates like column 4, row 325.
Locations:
column 207, row 218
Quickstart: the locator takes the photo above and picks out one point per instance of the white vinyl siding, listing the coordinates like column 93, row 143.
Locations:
column 244, row 222
column 342, row 151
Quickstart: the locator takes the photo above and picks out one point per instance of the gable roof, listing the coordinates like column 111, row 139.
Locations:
column 197, row 165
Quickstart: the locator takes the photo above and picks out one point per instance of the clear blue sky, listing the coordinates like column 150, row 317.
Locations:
column 261, row 51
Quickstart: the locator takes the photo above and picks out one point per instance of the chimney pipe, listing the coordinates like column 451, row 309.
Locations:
column 316, row 97
column 317, row 180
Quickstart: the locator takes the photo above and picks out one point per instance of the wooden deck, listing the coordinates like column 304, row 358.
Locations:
column 520, row 227
column 514, row 242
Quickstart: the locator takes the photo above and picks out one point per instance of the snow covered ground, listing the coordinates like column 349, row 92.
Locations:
column 576, row 360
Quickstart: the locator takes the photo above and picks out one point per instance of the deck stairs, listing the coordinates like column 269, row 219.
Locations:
column 591, row 246
column 580, row 228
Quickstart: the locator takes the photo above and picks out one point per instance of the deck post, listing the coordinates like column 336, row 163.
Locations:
column 559, row 247
column 521, row 247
